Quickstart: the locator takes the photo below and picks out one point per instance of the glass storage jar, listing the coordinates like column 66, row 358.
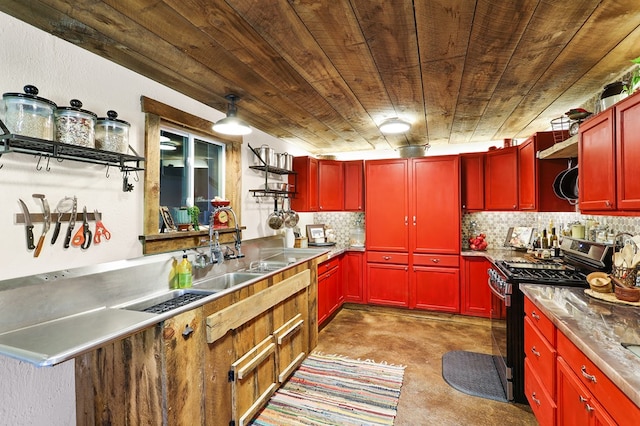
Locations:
column 75, row 125
column 27, row 114
column 112, row 134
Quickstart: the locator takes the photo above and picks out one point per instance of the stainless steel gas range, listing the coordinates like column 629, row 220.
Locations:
column 578, row 258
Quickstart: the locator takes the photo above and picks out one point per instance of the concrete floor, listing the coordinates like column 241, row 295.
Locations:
column 418, row 340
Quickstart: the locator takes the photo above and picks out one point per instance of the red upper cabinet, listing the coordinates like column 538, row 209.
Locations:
column 536, row 177
column 387, row 205
column 501, row 179
column 628, row 153
column 472, row 181
column 330, row 185
column 354, row 185
column 435, row 210
column 306, row 180
column 596, row 159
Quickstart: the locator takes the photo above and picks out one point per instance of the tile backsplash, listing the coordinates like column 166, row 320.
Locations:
column 494, row 224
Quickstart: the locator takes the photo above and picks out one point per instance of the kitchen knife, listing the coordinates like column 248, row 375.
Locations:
column 46, row 217
column 28, row 225
column 72, row 222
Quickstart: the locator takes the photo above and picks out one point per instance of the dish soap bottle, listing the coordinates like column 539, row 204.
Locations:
column 173, row 275
column 185, row 277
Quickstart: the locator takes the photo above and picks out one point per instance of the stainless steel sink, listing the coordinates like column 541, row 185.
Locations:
column 226, row 281
column 264, row 266
column 168, row 301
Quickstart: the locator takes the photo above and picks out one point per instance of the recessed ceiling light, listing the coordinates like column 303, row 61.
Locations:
column 394, row 125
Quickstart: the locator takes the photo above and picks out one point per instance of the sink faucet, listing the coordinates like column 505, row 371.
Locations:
column 237, row 236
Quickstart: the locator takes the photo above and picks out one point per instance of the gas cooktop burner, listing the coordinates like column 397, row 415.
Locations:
column 542, row 273
column 526, row 264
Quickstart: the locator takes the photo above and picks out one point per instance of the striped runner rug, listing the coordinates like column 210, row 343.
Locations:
column 335, row 390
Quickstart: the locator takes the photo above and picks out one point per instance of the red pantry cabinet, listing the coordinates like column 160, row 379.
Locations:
column 472, row 181
column 501, row 179
column 475, row 294
column 413, row 210
column 306, row 179
column 597, row 164
column 354, row 186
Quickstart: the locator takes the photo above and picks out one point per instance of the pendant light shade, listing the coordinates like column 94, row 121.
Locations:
column 394, row 125
column 231, row 124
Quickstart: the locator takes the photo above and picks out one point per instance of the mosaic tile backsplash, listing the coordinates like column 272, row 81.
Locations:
column 494, row 224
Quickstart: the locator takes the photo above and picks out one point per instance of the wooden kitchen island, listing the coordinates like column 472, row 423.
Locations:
column 216, row 364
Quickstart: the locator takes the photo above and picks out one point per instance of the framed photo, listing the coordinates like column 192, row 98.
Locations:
column 315, row 231
column 167, row 219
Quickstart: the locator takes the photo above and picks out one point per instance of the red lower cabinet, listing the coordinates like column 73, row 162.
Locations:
column 388, row 284
column 436, row 289
column 475, row 295
column 353, row 276
column 329, row 288
column 542, row 404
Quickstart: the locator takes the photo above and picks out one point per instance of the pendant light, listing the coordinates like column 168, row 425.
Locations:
column 394, row 125
column 232, row 125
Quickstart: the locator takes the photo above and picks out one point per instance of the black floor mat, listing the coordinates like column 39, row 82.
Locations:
column 473, row 373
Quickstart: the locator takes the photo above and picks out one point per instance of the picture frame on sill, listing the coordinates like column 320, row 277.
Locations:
column 315, row 233
column 168, row 225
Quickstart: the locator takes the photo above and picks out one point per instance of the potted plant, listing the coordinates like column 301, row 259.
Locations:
column 634, row 80
column 194, row 212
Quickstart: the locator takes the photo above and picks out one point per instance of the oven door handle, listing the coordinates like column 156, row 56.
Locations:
column 506, row 298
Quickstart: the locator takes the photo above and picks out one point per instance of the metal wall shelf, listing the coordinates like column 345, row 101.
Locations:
column 61, row 151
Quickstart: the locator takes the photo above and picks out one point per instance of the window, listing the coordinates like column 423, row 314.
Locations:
column 191, row 171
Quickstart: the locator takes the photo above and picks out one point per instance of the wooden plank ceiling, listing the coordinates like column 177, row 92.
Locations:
column 324, row 74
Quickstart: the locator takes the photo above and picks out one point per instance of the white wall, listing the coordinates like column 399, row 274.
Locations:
column 62, row 71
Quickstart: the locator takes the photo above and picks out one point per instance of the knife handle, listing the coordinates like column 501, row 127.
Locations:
column 67, row 239
column 39, row 246
column 56, row 231
column 30, row 244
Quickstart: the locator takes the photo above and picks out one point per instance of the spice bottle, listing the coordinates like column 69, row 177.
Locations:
column 185, row 273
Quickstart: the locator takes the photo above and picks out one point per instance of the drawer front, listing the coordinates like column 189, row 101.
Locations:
column 541, row 321
column 444, row 260
column 541, row 402
column 388, row 257
column 328, row 265
column 541, row 356
column 618, row 405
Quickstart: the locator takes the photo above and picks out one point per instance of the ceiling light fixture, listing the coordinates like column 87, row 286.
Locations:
column 232, row 125
column 394, row 125
column 166, row 144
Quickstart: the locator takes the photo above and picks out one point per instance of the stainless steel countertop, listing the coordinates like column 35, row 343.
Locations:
column 50, row 341
column 597, row 328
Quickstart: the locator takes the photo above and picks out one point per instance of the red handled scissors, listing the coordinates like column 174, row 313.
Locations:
column 101, row 231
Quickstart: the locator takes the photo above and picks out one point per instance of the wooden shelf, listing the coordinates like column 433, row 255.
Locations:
column 183, row 240
column 568, row 148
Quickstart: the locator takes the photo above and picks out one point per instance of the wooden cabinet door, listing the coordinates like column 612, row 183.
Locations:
column 353, row 276
column 597, row 170
column 254, row 380
column 306, row 181
column 354, row 185
column 527, row 174
column 472, row 181
column 501, row 179
column 387, row 205
column 388, row 284
column 475, row 293
column 330, row 185
column 434, row 221
column 436, row 289
column 628, row 153
column 290, row 344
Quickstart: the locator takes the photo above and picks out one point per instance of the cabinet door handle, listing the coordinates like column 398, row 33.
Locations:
column 187, row 331
column 535, row 316
column 436, row 260
column 607, row 203
column 589, row 408
column 586, row 375
column 536, row 400
column 535, row 352
column 406, row 220
column 582, row 399
column 414, row 221
column 386, row 257
column 514, row 206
